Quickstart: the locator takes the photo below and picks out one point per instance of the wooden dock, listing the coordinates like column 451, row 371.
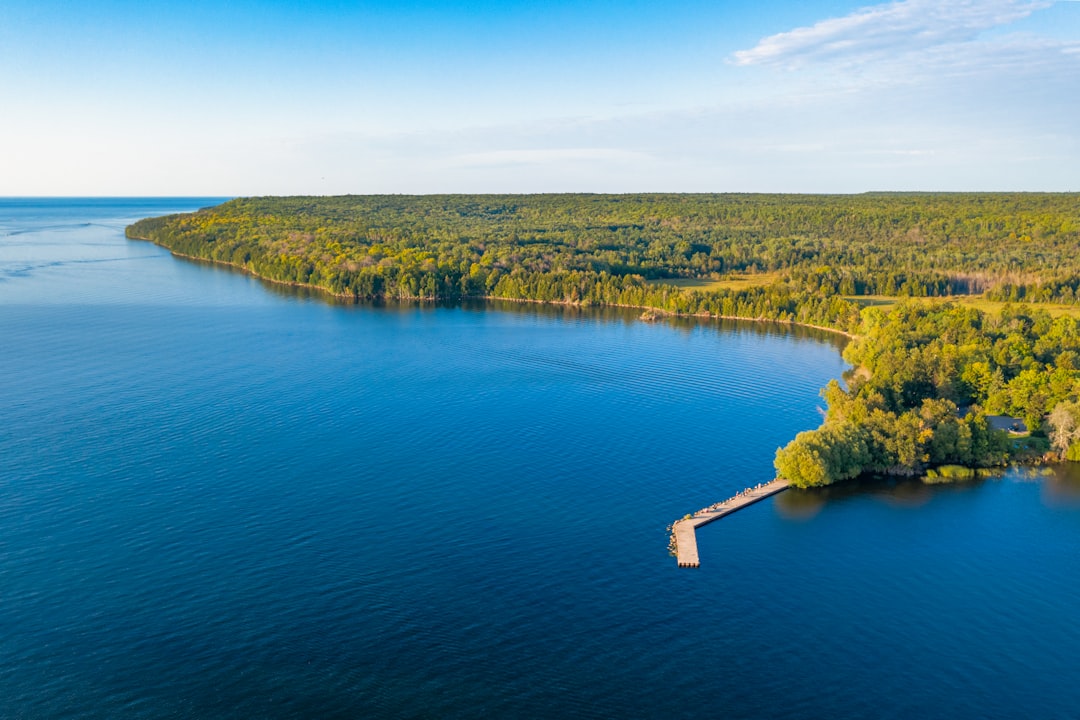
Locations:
column 684, row 531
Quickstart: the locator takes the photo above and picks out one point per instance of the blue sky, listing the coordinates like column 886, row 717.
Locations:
column 243, row 98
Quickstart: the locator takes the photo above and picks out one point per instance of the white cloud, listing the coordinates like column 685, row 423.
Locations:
column 883, row 30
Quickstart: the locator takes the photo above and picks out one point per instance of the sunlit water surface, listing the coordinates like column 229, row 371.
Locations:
column 220, row 499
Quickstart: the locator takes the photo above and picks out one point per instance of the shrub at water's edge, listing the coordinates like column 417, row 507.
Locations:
column 948, row 473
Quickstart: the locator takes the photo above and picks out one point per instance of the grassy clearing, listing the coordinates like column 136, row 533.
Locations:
column 993, row 307
column 885, row 302
column 730, row 282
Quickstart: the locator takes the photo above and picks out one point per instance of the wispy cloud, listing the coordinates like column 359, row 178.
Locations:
column 887, row 29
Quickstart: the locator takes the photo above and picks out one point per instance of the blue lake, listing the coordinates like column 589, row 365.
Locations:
column 224, row 499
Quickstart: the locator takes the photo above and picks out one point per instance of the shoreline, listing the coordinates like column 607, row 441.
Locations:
column 686, row 552
column 350, row 298
column 566, row 303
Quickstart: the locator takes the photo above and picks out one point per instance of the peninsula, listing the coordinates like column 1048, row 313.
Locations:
column 961, row 306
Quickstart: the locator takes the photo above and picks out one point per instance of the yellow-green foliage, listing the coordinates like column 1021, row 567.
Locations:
column 1021, row 246
column 919, row 364
column 728, row 282
column 823, row 456
column 949, row 473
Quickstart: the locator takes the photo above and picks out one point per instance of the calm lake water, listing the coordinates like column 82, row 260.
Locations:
column 220, row 499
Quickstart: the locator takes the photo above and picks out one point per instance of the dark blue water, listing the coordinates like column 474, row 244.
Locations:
column 218, row 499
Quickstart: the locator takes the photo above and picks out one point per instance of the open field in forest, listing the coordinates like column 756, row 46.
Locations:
column 976, row 301
column 730, row 282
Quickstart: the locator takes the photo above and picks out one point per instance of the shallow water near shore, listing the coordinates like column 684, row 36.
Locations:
column 220, row 498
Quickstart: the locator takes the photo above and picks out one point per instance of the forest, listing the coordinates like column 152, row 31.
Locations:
column 929, row 372
column 927, row 376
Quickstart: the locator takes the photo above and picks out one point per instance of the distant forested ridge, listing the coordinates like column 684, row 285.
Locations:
column 929, row 372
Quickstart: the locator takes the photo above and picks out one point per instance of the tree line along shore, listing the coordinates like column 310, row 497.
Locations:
column 962, row 306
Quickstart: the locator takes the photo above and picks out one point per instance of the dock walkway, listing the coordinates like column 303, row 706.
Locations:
column 684, row 531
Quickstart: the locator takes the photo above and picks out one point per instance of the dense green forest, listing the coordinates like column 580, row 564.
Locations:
column 929, row 372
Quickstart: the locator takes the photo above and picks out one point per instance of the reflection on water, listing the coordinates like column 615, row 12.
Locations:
column 796, row 504
column 897, row 492
column 1060, row 488
column 894, row 492
column 550, row 310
